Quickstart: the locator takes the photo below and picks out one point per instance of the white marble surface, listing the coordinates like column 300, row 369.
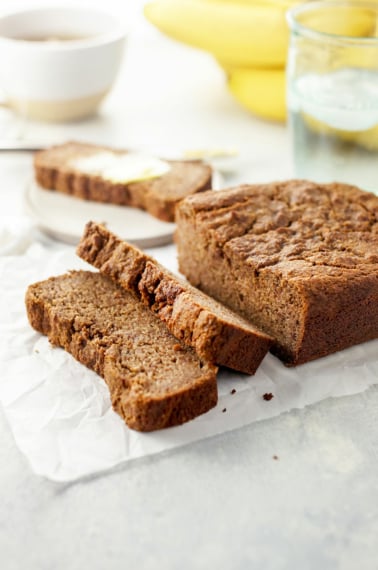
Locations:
column 224, row 502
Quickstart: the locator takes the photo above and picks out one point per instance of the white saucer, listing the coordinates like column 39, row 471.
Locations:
column 64, row 217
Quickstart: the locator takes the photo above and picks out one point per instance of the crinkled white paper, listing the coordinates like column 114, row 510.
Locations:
column 60, row 412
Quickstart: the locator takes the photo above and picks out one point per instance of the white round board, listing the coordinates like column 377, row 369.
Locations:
column 64, row 217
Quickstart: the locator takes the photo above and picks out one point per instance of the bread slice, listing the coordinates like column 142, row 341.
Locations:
column 216, row 333
column 56, row 168
column 153, row 379
column 298, row 258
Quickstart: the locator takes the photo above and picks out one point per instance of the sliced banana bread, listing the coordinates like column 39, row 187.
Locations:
column 216, row 333
column 96, row 173
column 297, row 258
column 153, row 379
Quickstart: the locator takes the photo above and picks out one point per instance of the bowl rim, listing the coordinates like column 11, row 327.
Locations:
column 117, row 32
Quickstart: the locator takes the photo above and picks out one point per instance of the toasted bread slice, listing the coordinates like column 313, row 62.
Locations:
column 78, row 169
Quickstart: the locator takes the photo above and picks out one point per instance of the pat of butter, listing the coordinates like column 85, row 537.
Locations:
column 123, row 167
column 211, row 153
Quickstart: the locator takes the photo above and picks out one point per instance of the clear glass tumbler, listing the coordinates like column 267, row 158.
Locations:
column 332, row 91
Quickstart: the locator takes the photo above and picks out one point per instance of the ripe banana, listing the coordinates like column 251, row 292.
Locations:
column 241, row 33
column 366, row 139
column 342, row 21
column 261, row 91
column 249, row 39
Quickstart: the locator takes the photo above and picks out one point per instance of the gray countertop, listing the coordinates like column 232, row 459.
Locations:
column 220, row 503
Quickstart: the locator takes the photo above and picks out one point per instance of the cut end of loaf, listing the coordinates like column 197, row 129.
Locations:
column 154, row 381
column 216, row 333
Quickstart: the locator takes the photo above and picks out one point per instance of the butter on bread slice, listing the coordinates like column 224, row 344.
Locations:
column 113, row 176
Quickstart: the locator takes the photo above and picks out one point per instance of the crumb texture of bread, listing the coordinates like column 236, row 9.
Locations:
column 299, row 259
column 55, row 169
column 153, row 379
column 216, row 333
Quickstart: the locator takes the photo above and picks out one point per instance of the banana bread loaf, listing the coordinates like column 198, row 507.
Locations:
column 95, row 173
column 216, row 333
column 297, row 258
column 154, row 381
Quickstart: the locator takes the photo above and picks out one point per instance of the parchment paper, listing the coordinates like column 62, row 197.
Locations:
column 60, row 412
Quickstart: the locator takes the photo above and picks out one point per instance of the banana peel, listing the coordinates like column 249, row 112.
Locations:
column 249, row 33
column 249, row 39
column 238, row 33
column 342, row 21
column 367, row 139
column 261, row 91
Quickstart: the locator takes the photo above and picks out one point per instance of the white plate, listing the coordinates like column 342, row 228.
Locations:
column 64, row 217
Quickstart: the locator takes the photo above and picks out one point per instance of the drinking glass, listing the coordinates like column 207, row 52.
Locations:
column 332, row 91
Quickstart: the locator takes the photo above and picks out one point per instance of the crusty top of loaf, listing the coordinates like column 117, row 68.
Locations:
column 298, row 228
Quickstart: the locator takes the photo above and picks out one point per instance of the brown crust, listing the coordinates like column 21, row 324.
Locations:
column 216, row 334
column 158, row 196
column 298, row 258
column 154, row 381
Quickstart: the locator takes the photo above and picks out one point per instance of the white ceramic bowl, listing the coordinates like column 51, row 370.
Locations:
column 59, row 63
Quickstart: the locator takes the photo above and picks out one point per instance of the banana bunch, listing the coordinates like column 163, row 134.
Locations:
column 248, row 38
